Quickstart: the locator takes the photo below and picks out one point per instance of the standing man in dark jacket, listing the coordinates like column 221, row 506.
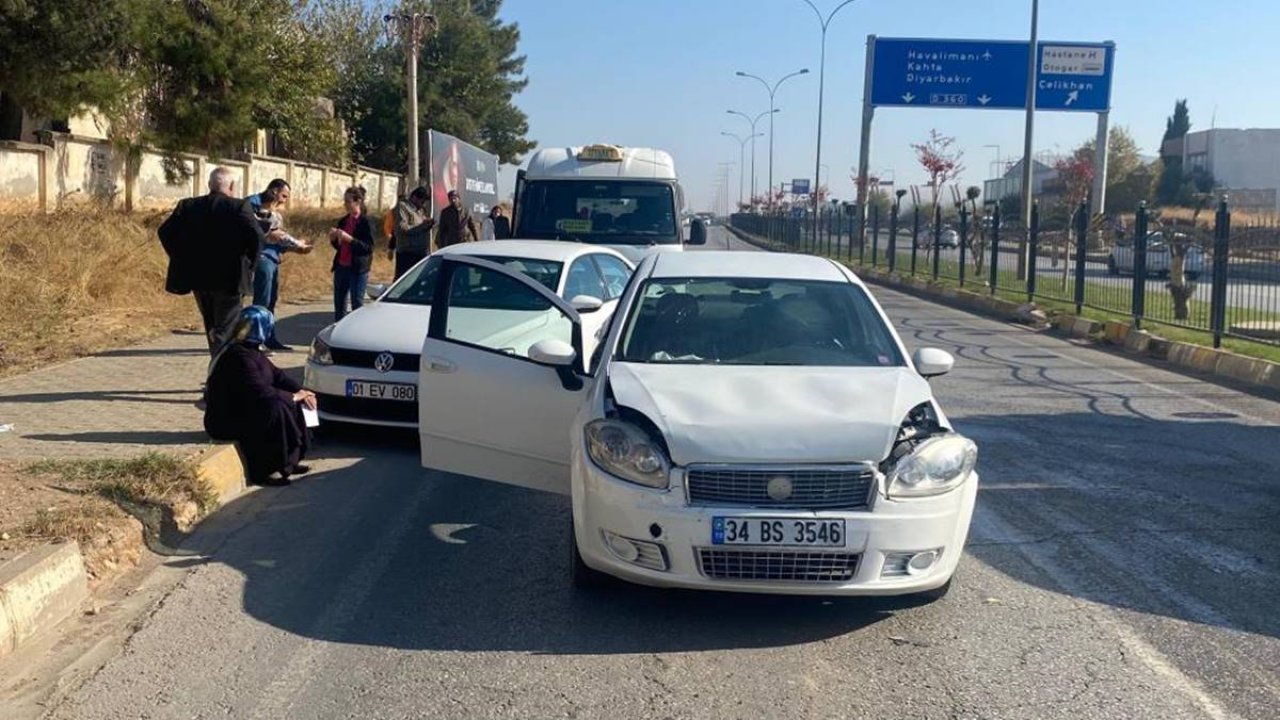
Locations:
column 456, row 225
column 411, row 238
column 213, row 242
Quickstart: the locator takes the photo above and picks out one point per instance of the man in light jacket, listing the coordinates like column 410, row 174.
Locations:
column 411, row 238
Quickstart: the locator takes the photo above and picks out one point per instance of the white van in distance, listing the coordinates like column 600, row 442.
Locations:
column 627, row 199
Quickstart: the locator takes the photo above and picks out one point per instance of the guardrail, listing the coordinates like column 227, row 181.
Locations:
column 1224, row 281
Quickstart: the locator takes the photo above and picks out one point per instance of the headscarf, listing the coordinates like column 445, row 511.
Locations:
column 253, row 328
column 255, row 325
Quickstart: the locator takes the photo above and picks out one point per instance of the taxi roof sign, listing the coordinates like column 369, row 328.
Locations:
column 606, row 153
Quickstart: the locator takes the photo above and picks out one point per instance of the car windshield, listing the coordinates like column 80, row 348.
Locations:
column 419, row 284
column 606, row 211
column 756, row 321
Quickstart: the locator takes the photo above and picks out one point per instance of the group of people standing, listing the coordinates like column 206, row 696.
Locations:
column 223, row 248
column 409, row 226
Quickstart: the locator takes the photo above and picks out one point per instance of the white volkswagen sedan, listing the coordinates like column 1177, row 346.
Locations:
column 364, row 369
column 751, row 422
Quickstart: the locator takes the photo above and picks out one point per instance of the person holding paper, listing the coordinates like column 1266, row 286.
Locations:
column 256, row 405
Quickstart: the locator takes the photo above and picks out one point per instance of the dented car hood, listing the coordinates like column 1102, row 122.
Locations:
column 723, row 414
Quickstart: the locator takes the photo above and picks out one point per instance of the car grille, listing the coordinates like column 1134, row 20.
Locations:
column 368, row 409
column 404, row 362
column 831, row 488
column 779, row 565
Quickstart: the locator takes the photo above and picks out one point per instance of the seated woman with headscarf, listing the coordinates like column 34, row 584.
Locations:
column 254, row 404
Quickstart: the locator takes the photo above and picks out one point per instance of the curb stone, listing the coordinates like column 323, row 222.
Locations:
column 1255, row 372
column 39, row 589
column 221, row 467
column 47, row 584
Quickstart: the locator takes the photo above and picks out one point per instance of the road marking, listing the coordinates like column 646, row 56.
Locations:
column 1147, row 654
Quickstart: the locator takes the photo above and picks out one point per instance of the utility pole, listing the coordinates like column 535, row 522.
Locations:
column 411, row 28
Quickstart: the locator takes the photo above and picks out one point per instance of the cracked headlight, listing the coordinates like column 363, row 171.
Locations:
column 320, row 354
column 937, row 465
column 624, row 450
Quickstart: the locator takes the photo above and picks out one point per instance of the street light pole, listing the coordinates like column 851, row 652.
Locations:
column 742, row 147
column 822, row 76
column 772, row 90
column 412, row 27
column 754, row 135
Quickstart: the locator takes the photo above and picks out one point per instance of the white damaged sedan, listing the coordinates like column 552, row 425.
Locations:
column 751, row 422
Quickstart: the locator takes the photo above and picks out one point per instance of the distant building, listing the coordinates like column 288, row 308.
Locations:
column 1244, row 163
column 1043, row 181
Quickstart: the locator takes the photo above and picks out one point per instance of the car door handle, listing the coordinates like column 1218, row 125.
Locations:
column 440, row 366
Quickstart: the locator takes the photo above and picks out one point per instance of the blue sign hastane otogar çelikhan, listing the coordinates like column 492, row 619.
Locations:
column 990, row 74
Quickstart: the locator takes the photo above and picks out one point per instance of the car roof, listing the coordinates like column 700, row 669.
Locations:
column 786, row 266
column 559, row 250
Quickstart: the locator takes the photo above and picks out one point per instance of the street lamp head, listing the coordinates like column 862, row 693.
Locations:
column 740, row 74
column 804, row 71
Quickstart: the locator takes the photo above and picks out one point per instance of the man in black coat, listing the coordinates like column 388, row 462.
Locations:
column 213, row 242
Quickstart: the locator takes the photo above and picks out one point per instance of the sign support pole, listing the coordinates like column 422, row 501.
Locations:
column 1028, row 164
column 1100, row 153
column 864, row 148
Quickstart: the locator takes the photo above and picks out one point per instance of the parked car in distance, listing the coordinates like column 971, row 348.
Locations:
column 1159, row 257
column 364, row 369
column 949, row 238
column 750, row 423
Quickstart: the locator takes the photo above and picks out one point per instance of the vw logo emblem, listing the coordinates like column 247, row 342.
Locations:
column 384, row 362
column 779, row 488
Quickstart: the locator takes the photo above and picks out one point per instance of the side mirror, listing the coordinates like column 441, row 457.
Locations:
column 698, row 233
column 556, row 353
column 559, row 355
column 931, row 362
column 374, row 290
column 586, row 303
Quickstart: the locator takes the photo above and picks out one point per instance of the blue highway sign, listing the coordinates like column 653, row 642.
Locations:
column 990, row 74
column 800, row 186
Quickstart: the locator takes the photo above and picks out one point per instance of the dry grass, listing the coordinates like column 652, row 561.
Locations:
column 151, row 479
column 81, row 521
column 76, row 283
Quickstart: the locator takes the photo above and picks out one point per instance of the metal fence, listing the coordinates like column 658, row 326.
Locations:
column 1223, row 280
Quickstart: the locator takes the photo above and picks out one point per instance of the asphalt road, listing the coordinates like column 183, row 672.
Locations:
column 1122, row 564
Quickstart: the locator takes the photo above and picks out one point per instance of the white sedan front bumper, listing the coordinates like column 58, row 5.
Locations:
column 329, row 383
column 878, row 539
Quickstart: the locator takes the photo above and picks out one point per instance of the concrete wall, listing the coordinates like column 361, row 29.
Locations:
column 68, row 171
column 307, row 185
column 87, row 171
column 22, row 176
column 153, row 191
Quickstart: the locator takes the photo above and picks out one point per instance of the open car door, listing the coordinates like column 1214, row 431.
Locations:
column 501, row 377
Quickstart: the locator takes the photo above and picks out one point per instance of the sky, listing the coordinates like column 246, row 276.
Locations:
column 661, row 73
